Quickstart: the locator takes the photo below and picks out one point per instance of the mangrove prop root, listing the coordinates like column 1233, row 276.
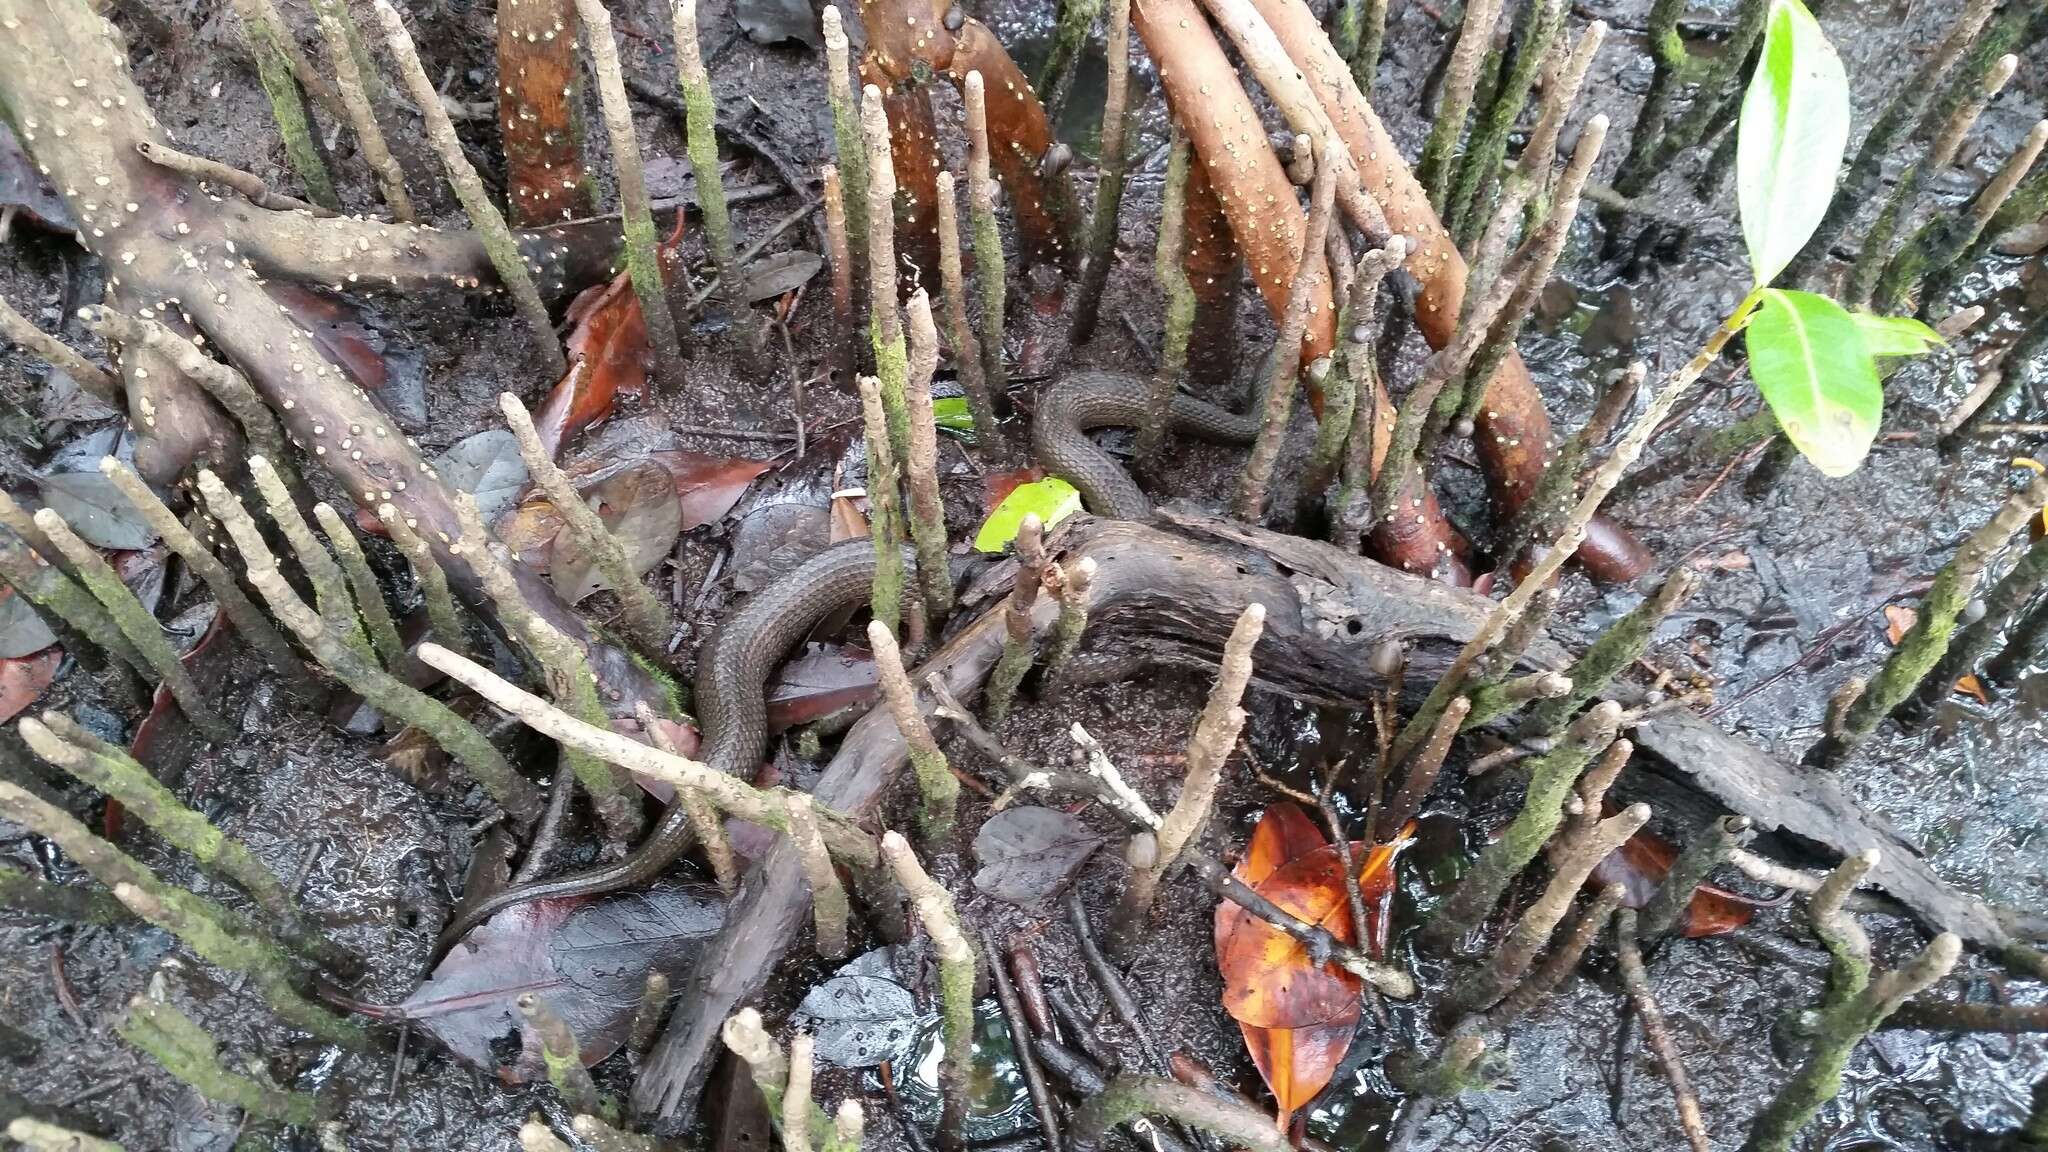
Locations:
column 1550, row 779
column 1461, row 77
column 1109, row 186
column 267, row 36
column 338, row 32
column 1071, row 588
column 1562, row 960
column 885, row 317
column 1421, row 773
column 839, row 248
column 369, row 592
column 1214, row 269
column 643, row 257
column 1020, row 639
column 330, row 584
column 497, row 238
column 219, row 942
column 1309, row 284
column 647, row 622
column 189, row 1053
column 1924, row 644
column 1513, row 430
column 559, row 1052
column 135, row 622
column 90, row 376
column 829, row 908
column 654, row 992
column 967, row 355
column 443, row 617
column 1614, row 650
column 1209, row 745
column 540, row 113
column 563, row 668
column 927, row 510
column 1128, row 1097
column 847, row 147
column 1705, row 850
column 956, row 961
column 939, row 790
column 1168, row 269
column 885, row 506
column 249, row 620
column 990, row 273
column 700, row 133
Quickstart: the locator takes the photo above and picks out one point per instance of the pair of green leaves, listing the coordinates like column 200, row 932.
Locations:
column 1813, row 360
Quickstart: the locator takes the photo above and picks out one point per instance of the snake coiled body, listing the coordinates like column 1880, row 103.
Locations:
column 732, row 711
column 1083, row 400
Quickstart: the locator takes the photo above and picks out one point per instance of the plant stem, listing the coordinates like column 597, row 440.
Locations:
column 266, row 34
column 700, row 131
column 369, row 594
column 338, row 31
column 956, row 963
column 927, row 510
column 444, row 619
column 967, row 355
column 1461, row 78
column 560, row 1053
column 986, row 236
column 885, row 511
column 1619, row 646
column 935, row 780
column 1020, row 638
column 1468, row 207
column 848, row 147
column 189, row 1053
column 1130, row 1096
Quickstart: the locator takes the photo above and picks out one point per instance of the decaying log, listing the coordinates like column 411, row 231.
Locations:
column 1168, row 594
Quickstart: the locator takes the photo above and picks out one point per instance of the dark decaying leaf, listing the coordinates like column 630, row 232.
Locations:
column 1028, row 854
column 824, row 680
column 608, row 353
column 488, row 467
column 849, row 520
column 166, row 740
column 22, row 631
column 640, row 508
column 21, row 186
column 708, row 486
column 771, row 276
column 861, row 1017
column 1639, row 866
column 774, row 21
column 96, row 510
column 337, row 329
column 772, row 539
column 587, row 957
column 23, row 678
column 143, row 571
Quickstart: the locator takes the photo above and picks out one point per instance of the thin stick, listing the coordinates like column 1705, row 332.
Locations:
column 636, row 218
column 1310, row 270
column 337, row 30
column 135, row 622
column 1020, row 1039
column 1422, row 773
column 1109, row 186
column 1707, row 848
column 249, row 185
column 646, row 621
column 492, row 232
column 188, row 1052
column 1656, row 1032
column 1561, row 961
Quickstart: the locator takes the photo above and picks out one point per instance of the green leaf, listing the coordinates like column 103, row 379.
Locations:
column 951, row 415
column 1895, row 335
column 1052, row 498
column 1808, row 358
column 1795, row 125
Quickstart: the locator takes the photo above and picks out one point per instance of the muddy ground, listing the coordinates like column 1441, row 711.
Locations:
column 383, row 856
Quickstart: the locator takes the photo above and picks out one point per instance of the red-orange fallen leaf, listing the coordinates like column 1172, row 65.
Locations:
column 708, row 486
column 1971, row 686
column 1297, row 1062
column 23, row 678
column 1639, row 866
column 825, row 679
column 1267, row 978
column 997, row 485
column 608, row 353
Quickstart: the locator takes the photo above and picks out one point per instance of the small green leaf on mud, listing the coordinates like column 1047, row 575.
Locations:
column 1794, row 127
column 1052, row 499
column 951, row 415
column 1808, row 357
column 1895, row 335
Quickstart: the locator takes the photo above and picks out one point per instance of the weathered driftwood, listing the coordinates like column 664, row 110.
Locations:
column 1170, row 596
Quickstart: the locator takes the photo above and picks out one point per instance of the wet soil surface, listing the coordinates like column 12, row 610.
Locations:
column 1796, row 576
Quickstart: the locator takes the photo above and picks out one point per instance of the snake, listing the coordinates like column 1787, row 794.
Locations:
column 732, row 708
column 1079, row 401
column 732, row 713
